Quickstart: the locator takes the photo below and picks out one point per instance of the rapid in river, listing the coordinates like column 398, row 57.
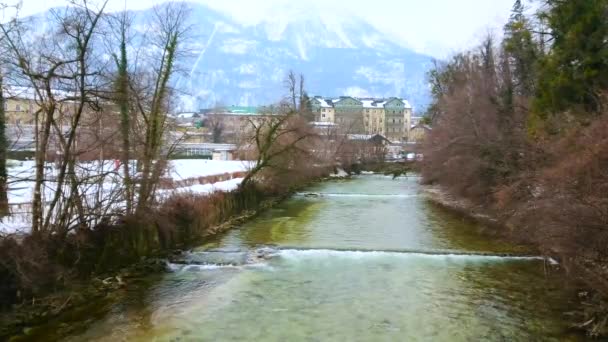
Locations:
column 365, row 259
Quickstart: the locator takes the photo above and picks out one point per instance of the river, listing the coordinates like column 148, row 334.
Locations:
column 366, row 259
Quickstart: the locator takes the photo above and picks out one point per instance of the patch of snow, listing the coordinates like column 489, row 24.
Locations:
column 373, row 103
column 248, row 85
column 276, row 27
column 302, row 49
column 15, row 224
column 226, row 28
column 238, row 46
column 191, row 168
column 21, row 175
column 339, row 174
column 323, row 102
column 247, row 69
column 203, row 189
column 332, row 24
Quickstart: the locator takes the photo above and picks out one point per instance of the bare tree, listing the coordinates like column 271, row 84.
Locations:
column 171, row 27
column 215, row 123
column 281, row 144
column 65, row 61
column 85, row 102
column 291, row 83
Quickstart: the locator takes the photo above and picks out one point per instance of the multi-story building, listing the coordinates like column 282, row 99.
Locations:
column 19, row 110
column 389, row 117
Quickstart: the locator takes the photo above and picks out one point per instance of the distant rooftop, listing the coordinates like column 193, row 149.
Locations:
column 242, row 110
column 368, row 102
column 233, row 110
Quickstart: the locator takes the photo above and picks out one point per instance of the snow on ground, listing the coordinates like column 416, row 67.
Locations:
column 191, row 168
column 204, row 189
column 21, row 185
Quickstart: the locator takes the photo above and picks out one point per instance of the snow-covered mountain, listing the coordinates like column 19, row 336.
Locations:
column 231, row 63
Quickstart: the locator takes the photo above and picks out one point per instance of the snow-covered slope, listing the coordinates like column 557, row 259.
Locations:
column 231, row 63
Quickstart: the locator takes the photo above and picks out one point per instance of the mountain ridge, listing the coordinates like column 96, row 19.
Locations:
column 232, row 63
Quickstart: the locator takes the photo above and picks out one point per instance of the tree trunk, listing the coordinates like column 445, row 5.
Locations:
column 123, row 103
column 4, row 208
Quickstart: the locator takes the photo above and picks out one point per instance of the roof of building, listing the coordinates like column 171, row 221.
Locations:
column 373, row 103
column 366, row 102
column 242, row 110
column 323, row 102
column 233, row 110
column 365, row 137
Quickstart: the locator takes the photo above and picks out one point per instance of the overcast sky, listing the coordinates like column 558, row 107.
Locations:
column 438, row 27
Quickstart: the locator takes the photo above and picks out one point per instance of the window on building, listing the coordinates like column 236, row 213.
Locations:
column 18, row 107
column 323, row 110
column 393, row 120
column 323, row 115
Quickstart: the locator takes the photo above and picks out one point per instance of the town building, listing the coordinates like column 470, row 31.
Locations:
column 390, row 117
column 419, row 132
column 19, row 107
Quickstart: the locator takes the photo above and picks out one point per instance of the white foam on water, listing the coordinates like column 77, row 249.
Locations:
column 199, row 267
column 173, row 267
column 211, row 267
column 380, row 175
column 295, row 254
column 303, row 254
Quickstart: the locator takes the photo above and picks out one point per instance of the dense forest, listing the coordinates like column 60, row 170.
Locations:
column 520, row 128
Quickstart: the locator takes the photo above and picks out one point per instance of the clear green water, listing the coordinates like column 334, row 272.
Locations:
column 357, row 263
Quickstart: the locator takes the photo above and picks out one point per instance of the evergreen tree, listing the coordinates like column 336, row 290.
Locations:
column 575, row 72
column 522, row 51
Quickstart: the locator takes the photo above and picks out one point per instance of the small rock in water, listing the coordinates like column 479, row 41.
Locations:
column 261, row 254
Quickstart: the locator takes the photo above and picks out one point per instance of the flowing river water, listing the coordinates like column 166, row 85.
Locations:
column 366, row 259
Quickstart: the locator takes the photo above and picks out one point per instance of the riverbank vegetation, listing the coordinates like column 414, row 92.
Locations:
column 520, row 126
column 102, row 144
